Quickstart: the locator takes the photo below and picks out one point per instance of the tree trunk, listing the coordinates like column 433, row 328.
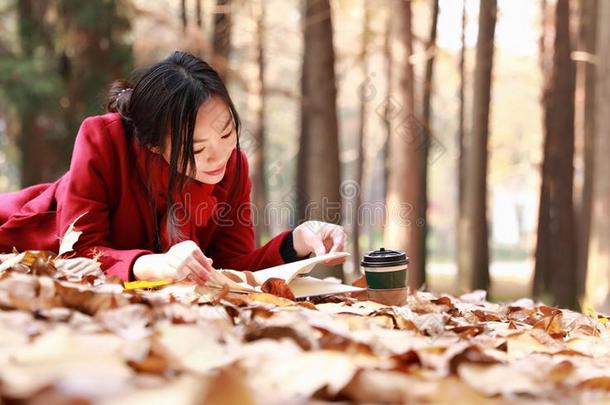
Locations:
column 586, row 79
column 318, row 167
column 75, row 58
column 474, row 251
column 94, row 54
column 542, row 277
column 427, row 117
column 404, row 228
column 221, row 42
column 360, row 159
column 384, row 113
column 183, row 16
column 257, row 107
column 199, row 14
column 39, row 123
column 555, row 249
column 598, row 275
column 389, row 73
column 460, row 138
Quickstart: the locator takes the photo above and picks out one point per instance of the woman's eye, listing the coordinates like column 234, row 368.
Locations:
column 227, row 135
column 198, row 151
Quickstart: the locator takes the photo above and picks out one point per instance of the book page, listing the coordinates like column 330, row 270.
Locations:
column 218, row 280
column 310, row 287
column 289, row 271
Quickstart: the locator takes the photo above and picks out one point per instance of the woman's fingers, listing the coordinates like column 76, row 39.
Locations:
column 198, row 271
column 335, row 240
column 205, row 262
column 317, row 245
column 338, row 237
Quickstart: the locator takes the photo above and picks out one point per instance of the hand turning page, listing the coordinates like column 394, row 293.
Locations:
column 291, row 273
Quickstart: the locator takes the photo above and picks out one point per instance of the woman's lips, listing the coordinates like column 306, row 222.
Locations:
column 215, row 172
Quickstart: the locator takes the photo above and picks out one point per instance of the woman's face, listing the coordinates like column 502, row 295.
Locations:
column 214, row 139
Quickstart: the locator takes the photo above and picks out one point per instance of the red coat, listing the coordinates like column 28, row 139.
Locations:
column 105, row 183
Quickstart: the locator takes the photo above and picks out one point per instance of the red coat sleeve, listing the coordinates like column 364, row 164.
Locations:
column 93, row 172
column 232, row 244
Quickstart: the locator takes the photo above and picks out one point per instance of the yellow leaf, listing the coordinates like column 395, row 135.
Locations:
column 134, row 285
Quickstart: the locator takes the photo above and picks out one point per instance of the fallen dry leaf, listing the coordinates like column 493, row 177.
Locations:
column 184, row 343
column 277, row 286
column 71, row 236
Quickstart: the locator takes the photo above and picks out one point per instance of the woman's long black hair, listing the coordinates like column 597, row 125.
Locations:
column 165, row 98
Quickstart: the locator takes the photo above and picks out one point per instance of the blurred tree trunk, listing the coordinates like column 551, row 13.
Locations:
column 198, row 14
column 95, row 53
column 427, row 117
column 598, row 275
column 389, row 74
column 542, row 276
column 586, row 81
column 474, row 244
column 183, row 16
column 384, row 114
column 221, row 41
column 363, row 90
column 36, row 96
column 404, row 211
column 202, row 47
column 69, row 52
column 555, row 249
column 318, row 166
column 257, row 99
column 460, row 138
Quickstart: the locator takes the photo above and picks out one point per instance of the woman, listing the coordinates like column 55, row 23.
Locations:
column 158, row 186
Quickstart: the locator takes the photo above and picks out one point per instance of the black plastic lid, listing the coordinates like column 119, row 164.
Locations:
column 384, row 258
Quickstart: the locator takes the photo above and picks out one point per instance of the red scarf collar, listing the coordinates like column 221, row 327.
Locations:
column 193, row 207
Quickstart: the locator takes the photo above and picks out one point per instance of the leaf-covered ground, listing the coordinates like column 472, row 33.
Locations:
column 67, row 335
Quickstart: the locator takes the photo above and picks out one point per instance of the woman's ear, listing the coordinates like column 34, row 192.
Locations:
column 155, row 149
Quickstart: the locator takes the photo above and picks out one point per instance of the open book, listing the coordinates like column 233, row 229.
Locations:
column 292, row 273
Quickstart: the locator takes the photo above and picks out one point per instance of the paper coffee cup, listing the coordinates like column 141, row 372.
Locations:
column 385, row 269
column 389, row 296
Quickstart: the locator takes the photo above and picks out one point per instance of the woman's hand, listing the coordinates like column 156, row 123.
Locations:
column 319, row 238
column 184, row 260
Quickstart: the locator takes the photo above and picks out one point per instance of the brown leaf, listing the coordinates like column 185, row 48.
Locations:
column 307, row 304
column 228, row 386
column 41, row 267
column 266, row 298
column 360, row 282
column 485, row 316
column 303, row 338
column 444, row 300
column 231, row 276
column 548, row 311
column 86, row 300
column 153, row 364
column 221, row 294
column 519, row 314
column 551, row 324
column 468, row 331
column 390, row 387
column 561, row 371
column 333, row 341
column 278, row 287
column 472, row 354
column 250, row 278
column 30, row 256
column 406, row 361
column 596, row 383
